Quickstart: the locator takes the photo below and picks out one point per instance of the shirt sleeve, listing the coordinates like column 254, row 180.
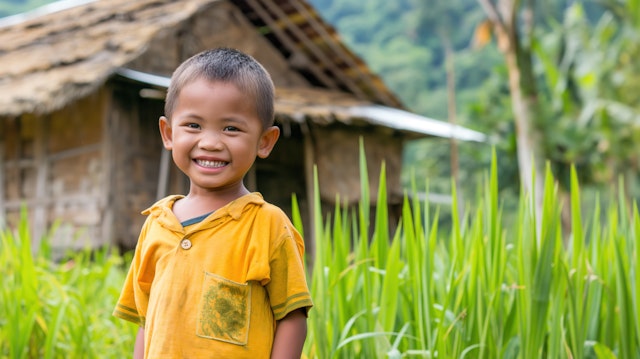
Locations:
column 288, row 288
column 132, row 304
column 126, row 306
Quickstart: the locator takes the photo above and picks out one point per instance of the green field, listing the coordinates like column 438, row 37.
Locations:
column 480, row 289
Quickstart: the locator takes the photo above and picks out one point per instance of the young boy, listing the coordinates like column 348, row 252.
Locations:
column 217, row 273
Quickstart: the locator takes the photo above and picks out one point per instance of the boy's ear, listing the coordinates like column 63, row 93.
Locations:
column 166, row 133
column 267, row 141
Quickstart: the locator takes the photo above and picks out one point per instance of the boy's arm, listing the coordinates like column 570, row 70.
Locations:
column 138, row 349
column 291, row 332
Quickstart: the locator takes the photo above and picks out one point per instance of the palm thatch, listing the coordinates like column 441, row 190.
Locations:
column 51, row 60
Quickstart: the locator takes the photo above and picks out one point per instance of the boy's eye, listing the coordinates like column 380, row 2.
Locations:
column 231, row 128
column 193, row 125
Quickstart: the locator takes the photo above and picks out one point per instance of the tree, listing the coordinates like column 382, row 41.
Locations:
column 515, row 45
column 442, row 16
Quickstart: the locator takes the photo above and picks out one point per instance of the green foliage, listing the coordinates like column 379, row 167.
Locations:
column 399, row 40
column 61, row 309
column 479, row 289
column 592, row 94
column 588, row 83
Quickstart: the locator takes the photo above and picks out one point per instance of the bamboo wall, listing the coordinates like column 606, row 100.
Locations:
column 53, row 165
column 134, row 159
column 336, row 151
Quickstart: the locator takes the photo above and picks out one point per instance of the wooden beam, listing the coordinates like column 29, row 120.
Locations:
column 111, row 127
column 324, row 59
column 343, row 55
column 48, row 201
column 19, row 163
column 77, row 151
column 286, row 41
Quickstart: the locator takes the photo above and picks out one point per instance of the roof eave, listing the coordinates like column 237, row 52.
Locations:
column 397, row 119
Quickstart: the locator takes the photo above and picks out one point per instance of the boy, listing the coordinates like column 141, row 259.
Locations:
column 217, row 273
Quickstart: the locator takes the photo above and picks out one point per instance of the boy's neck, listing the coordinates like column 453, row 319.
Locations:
column 198, row 203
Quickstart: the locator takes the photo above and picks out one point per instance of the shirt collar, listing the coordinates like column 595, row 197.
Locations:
column 162, row 209
column 235, row 208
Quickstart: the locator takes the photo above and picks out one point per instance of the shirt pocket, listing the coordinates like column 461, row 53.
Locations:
column 224, row 310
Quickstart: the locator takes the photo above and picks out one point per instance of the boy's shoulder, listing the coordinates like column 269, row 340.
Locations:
column 271, row 208
column 254, row 205
column 261, row 206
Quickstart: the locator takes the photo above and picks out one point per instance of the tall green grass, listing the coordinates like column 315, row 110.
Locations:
column 481, row 289
column 59, row 309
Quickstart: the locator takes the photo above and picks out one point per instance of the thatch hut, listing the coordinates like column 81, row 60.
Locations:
column 82, row 87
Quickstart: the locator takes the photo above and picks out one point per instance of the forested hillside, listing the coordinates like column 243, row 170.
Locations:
column 403, row 42
column 407, row 43
column 586, row 106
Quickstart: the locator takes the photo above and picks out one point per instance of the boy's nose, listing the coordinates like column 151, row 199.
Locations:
column 210, row 141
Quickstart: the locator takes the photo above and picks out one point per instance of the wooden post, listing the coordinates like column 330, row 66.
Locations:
column 41, row 164
column 309, row 163
column 111, row 122
column 163, row 177
column 251, row 179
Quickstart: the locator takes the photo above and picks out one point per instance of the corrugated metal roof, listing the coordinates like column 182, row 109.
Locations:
column 408, row 121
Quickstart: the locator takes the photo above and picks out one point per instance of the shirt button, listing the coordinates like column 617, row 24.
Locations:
column 185, row 244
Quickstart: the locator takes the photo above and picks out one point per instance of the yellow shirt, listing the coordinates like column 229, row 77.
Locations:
column 216, row 288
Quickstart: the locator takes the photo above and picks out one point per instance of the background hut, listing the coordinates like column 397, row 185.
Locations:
column 83, row 88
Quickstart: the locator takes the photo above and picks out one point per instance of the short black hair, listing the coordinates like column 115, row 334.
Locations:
column 226, row 65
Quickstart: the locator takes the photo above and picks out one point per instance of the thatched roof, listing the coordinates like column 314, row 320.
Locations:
column 52, row 59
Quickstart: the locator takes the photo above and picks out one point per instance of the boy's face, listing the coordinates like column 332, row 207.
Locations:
column 215, row 135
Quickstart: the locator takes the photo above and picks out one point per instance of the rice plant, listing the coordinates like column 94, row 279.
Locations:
column 480, row 289
column 59, row 309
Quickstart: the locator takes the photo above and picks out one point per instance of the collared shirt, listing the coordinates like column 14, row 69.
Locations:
column 217, row 287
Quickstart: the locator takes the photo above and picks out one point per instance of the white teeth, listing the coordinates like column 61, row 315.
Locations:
column 211, row 164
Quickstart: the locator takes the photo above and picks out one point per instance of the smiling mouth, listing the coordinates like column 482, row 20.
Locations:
column 211, row 164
